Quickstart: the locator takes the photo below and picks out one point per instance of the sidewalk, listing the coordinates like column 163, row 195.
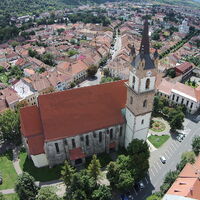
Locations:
column 8, row 191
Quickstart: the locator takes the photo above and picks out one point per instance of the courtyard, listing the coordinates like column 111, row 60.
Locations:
column 159, row 132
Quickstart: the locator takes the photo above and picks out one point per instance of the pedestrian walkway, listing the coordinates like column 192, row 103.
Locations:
column 16, row 165
column 8, row 191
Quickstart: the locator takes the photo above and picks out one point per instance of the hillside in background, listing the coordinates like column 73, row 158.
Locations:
column 23, row 7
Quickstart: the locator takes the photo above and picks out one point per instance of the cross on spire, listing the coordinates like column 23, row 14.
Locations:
column 144, row 47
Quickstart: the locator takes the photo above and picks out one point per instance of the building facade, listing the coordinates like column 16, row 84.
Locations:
column 78, row 123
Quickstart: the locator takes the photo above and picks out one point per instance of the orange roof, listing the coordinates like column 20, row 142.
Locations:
column 81, row 110
column 76, row 153
column 165, row 87
column 30, row 121
column 187, row 184
column 36, row 144
column 184, row 89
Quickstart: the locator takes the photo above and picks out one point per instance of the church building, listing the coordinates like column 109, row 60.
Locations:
column 78, row 123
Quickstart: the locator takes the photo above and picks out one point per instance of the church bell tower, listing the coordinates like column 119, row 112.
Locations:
column 140, row 91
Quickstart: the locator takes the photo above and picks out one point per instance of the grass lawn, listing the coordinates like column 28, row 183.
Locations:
column 11, row 196
column 3, row 78
column 7, row 171
column 40, row 174
column 158, row 141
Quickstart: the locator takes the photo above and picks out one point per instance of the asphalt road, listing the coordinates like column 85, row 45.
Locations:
column 172, row 151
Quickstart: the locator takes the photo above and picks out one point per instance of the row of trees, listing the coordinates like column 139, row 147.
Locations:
column 179, row 44
column 87, row 17
column 172, row 113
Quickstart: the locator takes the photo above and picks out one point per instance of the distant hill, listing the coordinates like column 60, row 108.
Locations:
column 23, row 7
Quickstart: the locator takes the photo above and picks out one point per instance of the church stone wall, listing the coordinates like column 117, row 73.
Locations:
column 95, row 145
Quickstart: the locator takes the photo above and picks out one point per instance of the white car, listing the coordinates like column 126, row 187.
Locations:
column 163, row 159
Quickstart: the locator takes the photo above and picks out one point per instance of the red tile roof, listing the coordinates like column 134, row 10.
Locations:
column 187, row 184
column 30, row 121
column 77, row 111
column 182, row 68
column 72, row 112
column 36, row 144
column 76, row 154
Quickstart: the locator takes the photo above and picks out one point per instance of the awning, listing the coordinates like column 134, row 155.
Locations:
column 76, row 153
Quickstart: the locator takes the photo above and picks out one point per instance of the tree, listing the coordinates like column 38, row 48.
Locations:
column 46, row 193
column 196, row 145
column 111, row 174
column 106, row 72
column 102, row 193
column 2, row 197
column 154, row 197
column 138, row 151
column 171, row 73
column 193, row 83
column 14, row 44
column 9, row 126
column 94, row 168
column 25, row 187
column 125, row 180
column 177, row 121
column 170, row 177
column 92, row 70
column 67, row 173
column 189, row 157
column 21, row 104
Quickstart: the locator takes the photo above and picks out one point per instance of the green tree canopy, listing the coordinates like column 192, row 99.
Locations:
column 196, row 145
column 92, row 70
column 94, row 168
column 102, row 193
column 67, row 173
column 9, row 126
column 47, row 193
column 25, row 187
column 189, row 157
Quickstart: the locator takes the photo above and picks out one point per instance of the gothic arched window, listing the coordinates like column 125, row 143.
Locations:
column 147, row 83
column 111, row 133
column 133, row 83
column 131, row 100
column 145, row 103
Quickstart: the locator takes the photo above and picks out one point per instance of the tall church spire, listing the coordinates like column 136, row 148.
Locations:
column 144, row 47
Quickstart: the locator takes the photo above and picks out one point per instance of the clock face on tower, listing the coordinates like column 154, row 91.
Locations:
column 149, row 73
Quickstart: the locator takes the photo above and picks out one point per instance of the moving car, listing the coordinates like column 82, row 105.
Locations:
column 163, row 159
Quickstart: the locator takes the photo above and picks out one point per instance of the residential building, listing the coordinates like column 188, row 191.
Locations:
column 180, row 93
column 186, row 186
column 184, row 28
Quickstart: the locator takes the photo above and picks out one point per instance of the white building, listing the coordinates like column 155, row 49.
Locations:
column 180, row 93
column 184, row 28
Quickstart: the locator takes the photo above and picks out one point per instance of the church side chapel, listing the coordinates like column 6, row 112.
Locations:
column 78, row 123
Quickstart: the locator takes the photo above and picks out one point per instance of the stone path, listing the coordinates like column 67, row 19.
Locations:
column 8, row 191
column 16, row 160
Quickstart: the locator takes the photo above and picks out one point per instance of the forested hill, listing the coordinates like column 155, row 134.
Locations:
column 23, row 7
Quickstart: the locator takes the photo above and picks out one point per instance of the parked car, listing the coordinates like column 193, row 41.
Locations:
column 129, row 195
column 1, row 180
column 163, row 159
column 124, row 197
column 178, row 138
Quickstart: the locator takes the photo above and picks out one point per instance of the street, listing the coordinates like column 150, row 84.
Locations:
column 172, row 151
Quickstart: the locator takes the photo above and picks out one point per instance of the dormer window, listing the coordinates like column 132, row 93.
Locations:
column 147, row 84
